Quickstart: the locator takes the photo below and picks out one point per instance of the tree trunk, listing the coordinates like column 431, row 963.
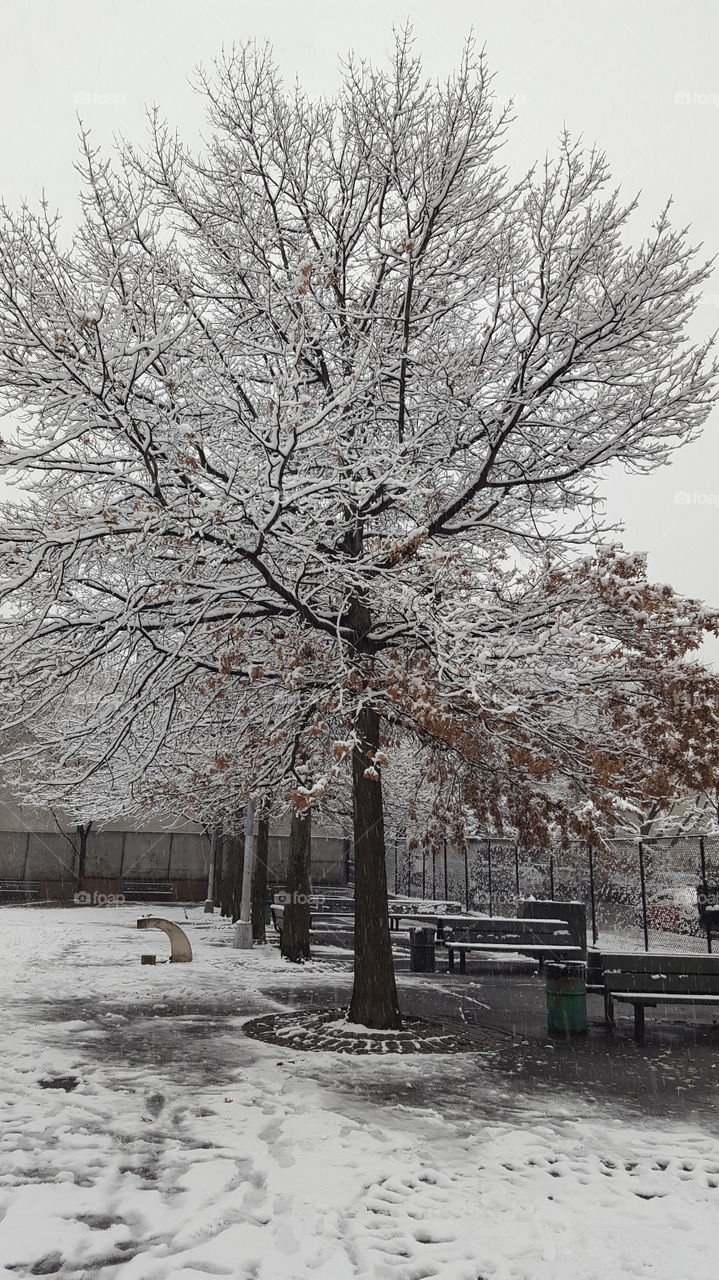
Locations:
column 296, row 916
column 233, row 862
column 82, row 832
column 259, row 880
column 218, row 869
column 374, row 995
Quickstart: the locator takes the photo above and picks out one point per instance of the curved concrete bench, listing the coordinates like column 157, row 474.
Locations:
column 181, row 951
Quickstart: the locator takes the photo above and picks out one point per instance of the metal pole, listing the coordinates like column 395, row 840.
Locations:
column 466, row 876
column 595, row 935
column 705, row 891
column 243, row 928
column 210, row 899
column 643, row 882
column 446, row 890
column 408, row 851
column 424, row 870
column 551, row 876
column 396, row 863
column 434, row 874
column 489, row 876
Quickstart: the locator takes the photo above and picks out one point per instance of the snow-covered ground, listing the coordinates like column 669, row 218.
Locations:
column 188, row 1150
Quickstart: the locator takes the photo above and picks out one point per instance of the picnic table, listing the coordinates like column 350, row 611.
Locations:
column 509, row 935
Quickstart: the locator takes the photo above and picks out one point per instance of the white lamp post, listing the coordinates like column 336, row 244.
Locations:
column 243, row 928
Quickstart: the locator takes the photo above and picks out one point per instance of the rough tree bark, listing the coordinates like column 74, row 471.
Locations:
column 296, row 916
column 218, row 870
column 374, row 1000
column 374, row 995
column 259, row 880
column 82, row 832
column 233, row 862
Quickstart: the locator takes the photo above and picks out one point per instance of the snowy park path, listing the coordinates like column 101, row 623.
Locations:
column 187, row 1150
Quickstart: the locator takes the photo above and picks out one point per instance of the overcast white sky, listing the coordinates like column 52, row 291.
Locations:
column 639, row 77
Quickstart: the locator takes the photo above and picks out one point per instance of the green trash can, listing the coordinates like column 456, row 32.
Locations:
column 566, row 998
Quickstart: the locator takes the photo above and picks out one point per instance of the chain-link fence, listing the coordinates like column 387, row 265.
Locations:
column 657, row 893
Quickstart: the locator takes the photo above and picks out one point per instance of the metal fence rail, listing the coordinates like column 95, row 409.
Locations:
column 639, row 893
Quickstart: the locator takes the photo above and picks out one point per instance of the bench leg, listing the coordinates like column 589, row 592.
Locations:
column 639, row 1023
column 463, row 962
column 608, row 1011
column 450, row 960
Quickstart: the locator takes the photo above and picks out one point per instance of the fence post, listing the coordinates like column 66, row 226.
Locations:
column 489, row 876
column 466, row 875
column 644, row 895
column 551, row 876
column 446, row 890
column 705, row 891
column 434, row 873
column 516, row 867
column 595, row 935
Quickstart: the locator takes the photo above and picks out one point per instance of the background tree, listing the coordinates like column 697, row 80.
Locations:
column 296, row 915
column 259, row 877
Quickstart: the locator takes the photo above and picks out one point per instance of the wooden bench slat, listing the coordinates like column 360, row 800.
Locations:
column 512, row 946
column 148, row 889
column 663, row 984
column 515, row 926
column 652, row 998
column 659, row 962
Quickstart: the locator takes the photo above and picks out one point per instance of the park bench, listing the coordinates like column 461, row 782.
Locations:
column 332, row 905
column 335, row 904
column 148, row 890
column 18, row 890
column 540, row 939
column 646, row 979
column 321, row 922
column 319, row 905
column 405, row 912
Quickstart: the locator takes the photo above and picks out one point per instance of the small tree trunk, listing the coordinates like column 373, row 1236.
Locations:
column 82, row 832
column 218, row 869
column 296, row 915
column 374, row 995
column 259, row 880
column 233, row 863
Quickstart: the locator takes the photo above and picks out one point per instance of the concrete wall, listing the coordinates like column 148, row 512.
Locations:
column 116, row 856
column 13, row 851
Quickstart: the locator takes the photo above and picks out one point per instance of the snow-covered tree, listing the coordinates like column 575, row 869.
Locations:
column 318, row 382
